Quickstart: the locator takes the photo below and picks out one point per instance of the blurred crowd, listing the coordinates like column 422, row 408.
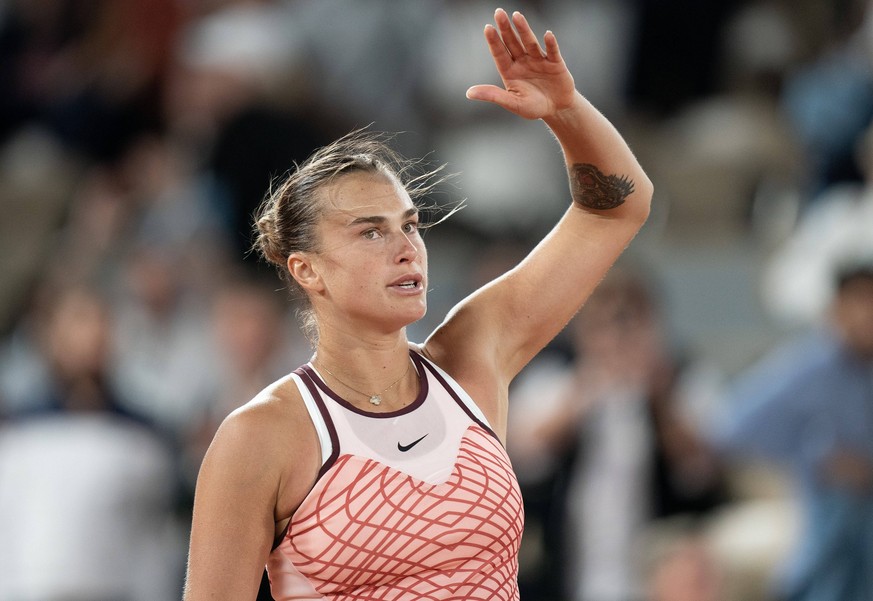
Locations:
column 674, row 443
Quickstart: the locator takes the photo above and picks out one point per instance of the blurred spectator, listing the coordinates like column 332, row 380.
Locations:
column 89, row 489
column 624, row 401
column 809, row 408
column 169, row 252
column 36, row 181
column 163, row 359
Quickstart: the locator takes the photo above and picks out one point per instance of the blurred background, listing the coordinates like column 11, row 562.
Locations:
column 137, row 138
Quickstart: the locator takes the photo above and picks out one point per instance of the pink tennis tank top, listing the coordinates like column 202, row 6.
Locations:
column 419, row 503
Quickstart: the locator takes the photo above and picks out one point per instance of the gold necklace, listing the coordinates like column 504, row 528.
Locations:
column 376, row 398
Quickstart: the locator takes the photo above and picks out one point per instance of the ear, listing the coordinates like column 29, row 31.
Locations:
column 303, row 271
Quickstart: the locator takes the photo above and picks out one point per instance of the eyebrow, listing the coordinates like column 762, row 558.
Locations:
column 380, row 219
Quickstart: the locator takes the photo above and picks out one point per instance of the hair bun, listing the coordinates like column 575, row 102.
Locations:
column 268, row 242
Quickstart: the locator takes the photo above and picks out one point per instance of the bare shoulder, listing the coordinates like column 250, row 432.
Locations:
column 269, row 444
column 279, row 405
column 261, row 421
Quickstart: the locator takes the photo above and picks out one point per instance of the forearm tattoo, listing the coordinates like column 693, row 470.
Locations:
column 592, row 189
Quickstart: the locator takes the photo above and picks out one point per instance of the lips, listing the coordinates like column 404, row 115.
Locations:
column 409, row 282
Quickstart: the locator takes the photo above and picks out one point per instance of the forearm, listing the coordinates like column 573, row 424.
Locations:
column 604, row 174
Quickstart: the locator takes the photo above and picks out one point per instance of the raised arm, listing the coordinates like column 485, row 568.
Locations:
column 491, row 335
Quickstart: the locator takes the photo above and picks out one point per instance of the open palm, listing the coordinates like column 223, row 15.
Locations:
column 536, row 82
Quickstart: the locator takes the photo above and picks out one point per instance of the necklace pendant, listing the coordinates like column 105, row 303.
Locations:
column 376, row 399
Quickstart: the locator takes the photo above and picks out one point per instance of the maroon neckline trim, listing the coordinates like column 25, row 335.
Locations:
column 422, row 392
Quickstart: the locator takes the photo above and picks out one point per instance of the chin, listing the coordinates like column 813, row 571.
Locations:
column 411, row 315
column 417, row 315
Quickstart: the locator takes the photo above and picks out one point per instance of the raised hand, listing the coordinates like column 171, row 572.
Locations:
column 536, row 82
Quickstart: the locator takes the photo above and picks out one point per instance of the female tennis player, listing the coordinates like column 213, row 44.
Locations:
column 378, row 470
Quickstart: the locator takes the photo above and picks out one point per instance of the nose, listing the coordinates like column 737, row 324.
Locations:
column 407, row 250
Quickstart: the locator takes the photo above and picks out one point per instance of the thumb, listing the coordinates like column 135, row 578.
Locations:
column 488, row 93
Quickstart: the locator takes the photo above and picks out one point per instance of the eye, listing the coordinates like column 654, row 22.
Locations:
column 410, row 227
column 371, row 234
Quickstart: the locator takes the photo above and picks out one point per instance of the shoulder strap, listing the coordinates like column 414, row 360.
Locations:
column 456, row 391
column 320, row 417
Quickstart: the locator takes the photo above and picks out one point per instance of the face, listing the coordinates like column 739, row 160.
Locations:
column 854, row 315
column 78, row 335
column 371, row 266
column 616, row 323
column 248, row 327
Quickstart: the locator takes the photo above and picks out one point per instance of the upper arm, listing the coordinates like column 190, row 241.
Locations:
column 236, row 505
column 507, row 322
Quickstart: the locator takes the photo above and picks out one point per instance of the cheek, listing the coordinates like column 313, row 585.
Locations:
column 360, row 275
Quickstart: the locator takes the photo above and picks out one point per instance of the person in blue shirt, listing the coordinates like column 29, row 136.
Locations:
column 809, row 407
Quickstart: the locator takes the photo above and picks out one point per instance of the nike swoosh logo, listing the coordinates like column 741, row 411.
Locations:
column 403, row 448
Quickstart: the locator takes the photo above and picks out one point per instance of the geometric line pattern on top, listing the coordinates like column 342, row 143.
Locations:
column 368, row 531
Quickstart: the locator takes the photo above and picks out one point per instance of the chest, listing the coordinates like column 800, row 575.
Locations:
column 366, row 524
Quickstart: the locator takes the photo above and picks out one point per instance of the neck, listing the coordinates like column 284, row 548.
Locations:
column 342, row 337
column 367, row 365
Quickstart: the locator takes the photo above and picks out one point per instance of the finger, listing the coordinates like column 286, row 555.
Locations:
column 553, row 52
column 502, row 58
column 507, row 33
column 528, row 37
